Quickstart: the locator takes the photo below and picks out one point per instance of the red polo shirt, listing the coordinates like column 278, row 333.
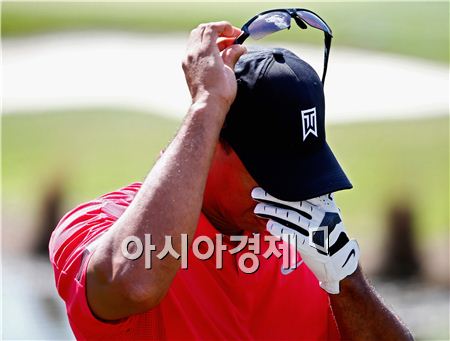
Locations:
column 203, row 303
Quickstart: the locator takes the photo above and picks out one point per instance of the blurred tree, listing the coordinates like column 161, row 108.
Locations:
column 51, row 213
column 401, row 259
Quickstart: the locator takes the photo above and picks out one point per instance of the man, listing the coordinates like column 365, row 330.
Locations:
column 201, row 187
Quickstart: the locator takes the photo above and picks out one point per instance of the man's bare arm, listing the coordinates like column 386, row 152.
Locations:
column 170, row 199
column 362, row 315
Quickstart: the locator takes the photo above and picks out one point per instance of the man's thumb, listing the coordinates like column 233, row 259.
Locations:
column 232, row 53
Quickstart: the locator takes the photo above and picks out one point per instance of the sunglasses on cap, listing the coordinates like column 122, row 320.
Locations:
column 275, row 20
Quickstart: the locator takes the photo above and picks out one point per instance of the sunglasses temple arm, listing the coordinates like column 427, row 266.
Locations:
column 242, row 37
column 326, row 54
column 325, row 66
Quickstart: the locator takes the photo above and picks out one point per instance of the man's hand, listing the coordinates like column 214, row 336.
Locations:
column 358, row 310
column 319, row 235
column 210, row 60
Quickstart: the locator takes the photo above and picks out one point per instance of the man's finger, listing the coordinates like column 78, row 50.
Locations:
column 224, row 42
column 224, row 29
column 302, row 207
column 211, row 31
column 281, row 231
column 231, row 55
column 289, row 218
column 326, row 202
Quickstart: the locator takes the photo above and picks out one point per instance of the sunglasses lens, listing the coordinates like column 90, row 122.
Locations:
column 313, row 20
column 269, row 23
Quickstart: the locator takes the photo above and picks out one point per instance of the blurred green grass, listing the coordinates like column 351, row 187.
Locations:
column 97, row 151
column 418, row 29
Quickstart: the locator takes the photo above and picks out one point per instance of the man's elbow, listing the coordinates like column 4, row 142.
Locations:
column 115, row 294
column 140, row 297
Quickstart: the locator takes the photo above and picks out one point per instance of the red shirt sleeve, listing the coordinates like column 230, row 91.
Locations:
column 70, row 248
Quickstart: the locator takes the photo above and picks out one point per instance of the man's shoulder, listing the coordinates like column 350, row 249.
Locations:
column 86, row 222
column 125, row 193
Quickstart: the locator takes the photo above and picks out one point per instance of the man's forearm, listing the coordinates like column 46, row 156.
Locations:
column 168, row 203
column 361, row 314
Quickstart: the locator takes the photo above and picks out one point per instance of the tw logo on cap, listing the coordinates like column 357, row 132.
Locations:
column 309, row 120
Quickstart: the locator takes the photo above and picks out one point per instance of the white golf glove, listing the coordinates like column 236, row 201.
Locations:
column 318, row 232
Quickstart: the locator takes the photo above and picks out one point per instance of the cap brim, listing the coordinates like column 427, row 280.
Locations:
column 295, row 177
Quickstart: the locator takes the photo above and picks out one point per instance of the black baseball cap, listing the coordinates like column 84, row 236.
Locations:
column 276, row 125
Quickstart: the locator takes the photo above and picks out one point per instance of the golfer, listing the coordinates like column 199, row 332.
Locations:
column 250, row 171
